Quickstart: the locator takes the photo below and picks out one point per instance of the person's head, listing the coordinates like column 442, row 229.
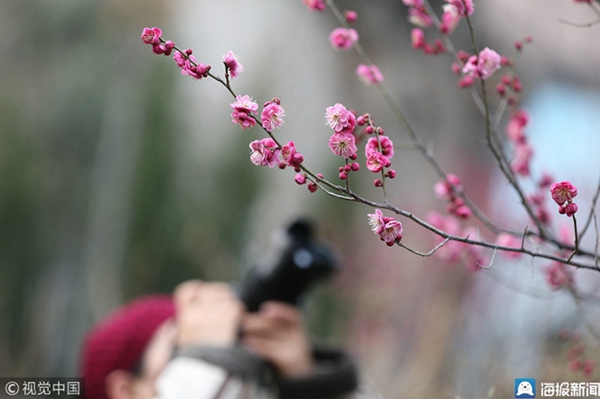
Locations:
column 124, row 353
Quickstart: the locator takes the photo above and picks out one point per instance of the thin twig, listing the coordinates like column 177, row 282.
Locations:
column 491, row 261
column 424, row 254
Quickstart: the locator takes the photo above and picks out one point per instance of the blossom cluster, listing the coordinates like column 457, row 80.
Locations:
column 388, row 229
column 266, row 152
column 455, row 251
column 576, row 352
column 563, row 194
column 449, row 189
column 184, row 59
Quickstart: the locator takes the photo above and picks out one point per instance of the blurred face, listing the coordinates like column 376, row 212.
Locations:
column 125, row 385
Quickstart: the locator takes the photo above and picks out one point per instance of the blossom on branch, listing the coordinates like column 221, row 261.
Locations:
column 563, row 194
column 450, row 19
column 464, row 7
column 233, row 64
column 342, row 38
column 388, row 229
column 369, row 74
column 272, row 115
column 264, row 152
column 340, row 119
column 243, row 108
column 314, row 5
column 343, row 144
column 483, row 65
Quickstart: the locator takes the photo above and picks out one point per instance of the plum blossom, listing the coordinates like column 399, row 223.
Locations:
column 233, row 64
column 290, row 156
column 464, row 7
column 419, row 16
column 243, row 108
column 343, row 144
column 272, row 115
column 392, row 232
column 417, row 37
column 376, row 161
column 483, row 65
column 351, row 16
column 387, row 147
column 314, row 5
column 264, row 152
column 450, row 19
column 563, row 194
column 413, row 3
column 342, row 38
column 369, row 74
column 151, row 35
column 523, row 155
column 340, row 119
column 388, row 229
column 508, row 240
column 189, row 66
column 558, row 275
column 515, row 129
column 563, row 191
column 376, row 221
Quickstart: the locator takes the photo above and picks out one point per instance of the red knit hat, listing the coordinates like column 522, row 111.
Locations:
column 118, row 342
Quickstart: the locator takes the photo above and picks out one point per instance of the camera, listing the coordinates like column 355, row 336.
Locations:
column 290, row 269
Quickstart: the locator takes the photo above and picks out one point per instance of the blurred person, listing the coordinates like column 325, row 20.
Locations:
column 201, row 343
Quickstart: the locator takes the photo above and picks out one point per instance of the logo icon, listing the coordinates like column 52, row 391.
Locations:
column 12, row 388
column 524, row 388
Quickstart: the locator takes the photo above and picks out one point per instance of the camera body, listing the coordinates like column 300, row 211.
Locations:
column 289, row 270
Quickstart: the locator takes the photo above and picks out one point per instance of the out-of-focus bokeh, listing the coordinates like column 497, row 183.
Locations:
column 120, row 177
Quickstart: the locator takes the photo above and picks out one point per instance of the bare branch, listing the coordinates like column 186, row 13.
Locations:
column 425, row 255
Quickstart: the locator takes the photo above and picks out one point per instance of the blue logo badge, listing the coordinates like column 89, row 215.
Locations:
column 525, row 388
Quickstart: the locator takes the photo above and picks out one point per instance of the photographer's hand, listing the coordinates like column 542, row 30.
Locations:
column 207, row 314
column 276, row 333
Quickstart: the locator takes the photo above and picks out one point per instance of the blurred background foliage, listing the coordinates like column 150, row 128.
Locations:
column 118, row 177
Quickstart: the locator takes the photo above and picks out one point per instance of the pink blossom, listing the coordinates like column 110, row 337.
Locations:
column 588, row 367
column 515, row 129
column 558, row 275
column 377, row 161
column 523, row 155
column 413, row 3
column 417, row 37
column 189, row 66
column 272, row 116
column 508, row 240
column 290, row 156
column 342, row 38
column 350, row 16
column 563, row 192
column 450, row 19
column 243, row 119
column 392, row 232
column 343, row 144
column 487, row 63
column 376, row 221
column 484, row 65
column 314, row 5
column 568, row 209
column 545, row 180
column 264, row 152
column 243, row 107
column 369, row 74
column 233, row 64
column 245, row 104
column 460, row 6
column 300, row 178
column 340, row 119
column 419, row 17
column 151, row 35
column 387, row 147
